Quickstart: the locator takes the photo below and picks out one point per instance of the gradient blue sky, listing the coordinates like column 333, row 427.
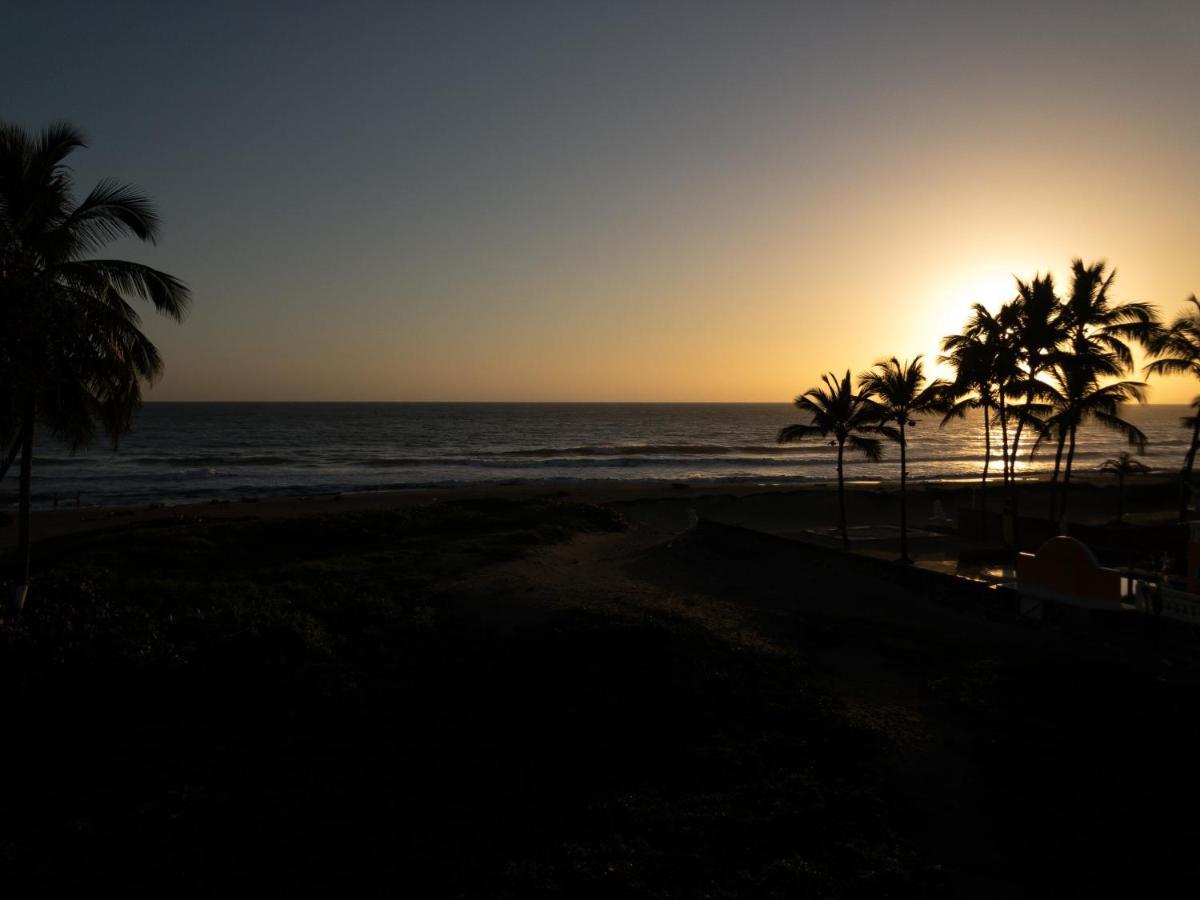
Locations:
column 608, row 201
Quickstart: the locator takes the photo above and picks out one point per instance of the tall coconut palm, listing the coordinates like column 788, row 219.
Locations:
column 1123, row 465
column 1090, row 318
column 72, row 355
column 976, row 356
column 1073, row 396
column 1177, row 348
column 1072, row 376
column 849, row 420
column 899, row 392
column 1036, row 330
column 1001, row 330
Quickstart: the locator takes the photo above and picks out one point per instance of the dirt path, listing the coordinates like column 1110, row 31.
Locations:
column 867, row 642
column 636, row 573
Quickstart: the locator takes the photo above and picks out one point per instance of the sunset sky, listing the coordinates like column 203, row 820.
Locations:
column 610, row 201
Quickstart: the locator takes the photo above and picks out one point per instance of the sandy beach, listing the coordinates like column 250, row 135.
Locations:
column 768, row 507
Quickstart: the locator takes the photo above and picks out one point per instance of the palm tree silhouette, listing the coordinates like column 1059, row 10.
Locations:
column 998, row 331
column 850, row 419
column 72, row 355
column 1177, row 348
column 1123, row 465
column 899, row 391
column 1089, row 318
column 1072, row 375
column 1096, row 330
column 1002, row 361
column 1072, row 397
column 976, row 356
column 1035, row 332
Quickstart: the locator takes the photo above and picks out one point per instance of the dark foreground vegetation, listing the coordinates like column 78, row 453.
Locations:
column 292, row 708
column 304, row 708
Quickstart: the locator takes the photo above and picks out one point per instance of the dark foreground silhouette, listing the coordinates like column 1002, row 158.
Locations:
column 318, row 707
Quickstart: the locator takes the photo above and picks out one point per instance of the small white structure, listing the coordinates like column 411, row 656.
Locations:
column 1182, row 606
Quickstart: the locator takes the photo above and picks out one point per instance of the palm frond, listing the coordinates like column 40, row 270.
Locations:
column 1172, row 366
column 110, row 212
column 167, row 293
column 1124, row 464
column 1134, row 435
column 888, row 431
column 792, row 433
column 871, row 448
column 959, row 410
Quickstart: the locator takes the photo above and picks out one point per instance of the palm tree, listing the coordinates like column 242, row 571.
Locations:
column 1073, row 397
column 1000, row 330
column 899, row 391
column 1072, row 376
column 1177, row 348
column 72, row 355
column 851, row 420
column 1090, row 318
column 975, row 355
column 1123, row 465
column 1035, row 331
column 1092, row 333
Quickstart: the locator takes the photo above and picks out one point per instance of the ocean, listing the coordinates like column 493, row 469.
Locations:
column 198, row 452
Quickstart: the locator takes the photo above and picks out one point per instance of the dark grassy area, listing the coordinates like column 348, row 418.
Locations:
column 1086, row 770
column 1080, row 771
column 289, row 707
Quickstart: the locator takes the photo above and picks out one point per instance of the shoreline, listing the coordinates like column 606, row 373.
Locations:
column 8, row 498
column 43, row 500
column 872, row 502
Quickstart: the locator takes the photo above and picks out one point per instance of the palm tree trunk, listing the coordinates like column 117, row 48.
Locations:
column 1067, row 471
column 1004, row 437
column 1185, row 489
column 1008, row 538
column 1062, row 439
column 26, row 493
column 987, row 461
column 1016, row 497
column 903, row 497
column 1120, row 498
column 842, row 497
column 1020, row 427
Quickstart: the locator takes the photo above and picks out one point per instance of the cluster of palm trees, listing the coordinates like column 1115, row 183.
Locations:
column 1038, row 369
column 73, row 358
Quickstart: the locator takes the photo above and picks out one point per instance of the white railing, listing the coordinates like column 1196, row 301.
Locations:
column 1179, row 605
